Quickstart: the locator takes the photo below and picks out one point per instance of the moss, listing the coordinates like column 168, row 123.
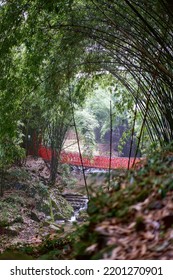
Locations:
column 14, row 199
column 4, row 223
column 44, row 207
column 8, row 213
column 18, row 219
column 61, row 206
column 19, row 173
column 42, row 189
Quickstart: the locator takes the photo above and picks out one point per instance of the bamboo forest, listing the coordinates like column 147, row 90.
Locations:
column 86, row 130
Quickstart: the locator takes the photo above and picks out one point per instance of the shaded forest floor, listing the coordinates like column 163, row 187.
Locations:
column 27, row 203
column 131, row 220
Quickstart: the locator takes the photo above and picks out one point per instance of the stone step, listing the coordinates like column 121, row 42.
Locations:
column 77, row 201
column 74, row 195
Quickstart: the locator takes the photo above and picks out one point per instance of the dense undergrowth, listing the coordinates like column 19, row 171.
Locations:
column 140, row 203
column 133, row 220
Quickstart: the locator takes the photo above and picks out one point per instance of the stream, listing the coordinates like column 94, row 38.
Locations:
column 79, row 204
column 95, row 177
column 74, row 217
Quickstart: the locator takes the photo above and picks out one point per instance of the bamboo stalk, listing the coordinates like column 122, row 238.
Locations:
column 78, row 141
column 110, row 152
column 80, row 154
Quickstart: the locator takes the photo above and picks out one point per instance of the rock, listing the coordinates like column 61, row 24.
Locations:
column 61, row 206
column 55, row 227
column 8, row 213
column 82, row 217
column 45, row 223
column 43, row 206
column 13, row 199
column 42, row 190
column 13, row 230
column 32, row 192
column 18, row 219
column 58, row 216
column 76, row 200
column 20, row 186
column 34, row 217
column 41, row 216
column 59, row 222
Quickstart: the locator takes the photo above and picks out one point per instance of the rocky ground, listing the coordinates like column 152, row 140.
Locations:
column 32, row 211
column 130, row 219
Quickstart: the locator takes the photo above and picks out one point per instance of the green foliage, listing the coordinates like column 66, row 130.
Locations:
column 121, row 206
column 103, row 95
column 67, row 179
column 14, row 255
column 8, row 213
column 125, row 136
column 10, row 151
column 42, row 189
column 50, row 248
column 48, row 47
column 99, row 106
column 19, row 174
column 86, row 124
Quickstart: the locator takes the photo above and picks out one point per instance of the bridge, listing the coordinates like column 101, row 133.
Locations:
column 101, row 162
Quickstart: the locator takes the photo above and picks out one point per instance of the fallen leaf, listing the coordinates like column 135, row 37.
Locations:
column 148, row 235
column 162, row 246
column 115, row 253
column 143, row 249
column 91, row 248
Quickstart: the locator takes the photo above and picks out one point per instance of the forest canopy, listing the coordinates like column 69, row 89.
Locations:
column 50, row 50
